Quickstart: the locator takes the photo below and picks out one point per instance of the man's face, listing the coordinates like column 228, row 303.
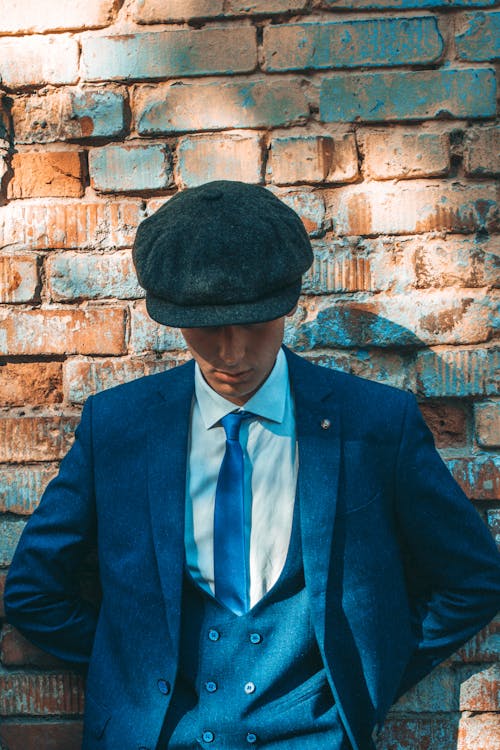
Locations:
column 235, row 360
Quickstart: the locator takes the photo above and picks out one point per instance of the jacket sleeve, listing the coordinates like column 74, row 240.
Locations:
column 42, row 596
column 452, row 558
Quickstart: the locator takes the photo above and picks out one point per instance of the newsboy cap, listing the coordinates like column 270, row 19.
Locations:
column 223, row 253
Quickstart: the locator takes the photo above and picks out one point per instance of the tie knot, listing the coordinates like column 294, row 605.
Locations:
column 232, row 423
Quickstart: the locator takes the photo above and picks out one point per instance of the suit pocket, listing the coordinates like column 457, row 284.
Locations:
column 346, row 509
column 96, row 717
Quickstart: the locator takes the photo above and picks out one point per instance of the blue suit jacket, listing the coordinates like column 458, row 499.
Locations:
column 399, row 567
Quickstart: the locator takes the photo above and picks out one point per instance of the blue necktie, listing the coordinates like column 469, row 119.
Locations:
column 230, row 554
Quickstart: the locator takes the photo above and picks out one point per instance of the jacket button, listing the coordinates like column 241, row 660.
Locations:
column 251, row 738
column 208, row 737
column 164, row 687
column 213, row 635
column 210, row 686
column 255, row 638
column 325, row 424
column 249, row 688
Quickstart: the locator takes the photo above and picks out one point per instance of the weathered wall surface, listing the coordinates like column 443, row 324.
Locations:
column 377, row 124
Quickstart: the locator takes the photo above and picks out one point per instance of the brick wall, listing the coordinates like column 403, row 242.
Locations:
column 376, row 124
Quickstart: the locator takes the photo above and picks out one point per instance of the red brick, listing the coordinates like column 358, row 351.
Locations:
column 414, row 732
column 438, row 691
column 313, row 158
column 10, row 533
column 63, row 331
column 30, row 383
column 398, row 153
column 26, row 18
column 231, row 156
column 40, row 174
column 469, row 262
column 481, row 690
column 478, row 475
column 83, row 378
column 447, row 422
column 41, row 735
column 17, row 651
column 308, row 204
column 38, row 60
column 19, row 278
column 35, row 438
column 487, row 424
column 412, row 207
column 169, row 54
column 483, row 647
column 479, row 732
column 65, row 114
column 69, row 224
column 41, row 694
column 482, row 151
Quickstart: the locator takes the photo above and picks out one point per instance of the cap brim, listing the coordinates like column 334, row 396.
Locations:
column 202, row 316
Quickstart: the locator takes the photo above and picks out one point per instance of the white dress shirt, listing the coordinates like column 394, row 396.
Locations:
column 270, row 455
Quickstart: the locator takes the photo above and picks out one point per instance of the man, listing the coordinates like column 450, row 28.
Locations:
column 282, row 551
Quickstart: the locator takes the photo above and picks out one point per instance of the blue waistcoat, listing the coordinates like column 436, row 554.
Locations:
column 255, row 680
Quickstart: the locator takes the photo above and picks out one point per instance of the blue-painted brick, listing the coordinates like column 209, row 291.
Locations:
column 68, row 114
column 188, row 107
column 407, row 4
column 350, row 44
column 409, row 95
column 433, row 318
column 21, row 489
column 146, row 334
column 10, row 531
column 73, row 276
column 458, row 372
column 481, row 38
column 123, row 168
column 168, row 54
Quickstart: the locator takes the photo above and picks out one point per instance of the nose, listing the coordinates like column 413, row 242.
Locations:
column 231, row 345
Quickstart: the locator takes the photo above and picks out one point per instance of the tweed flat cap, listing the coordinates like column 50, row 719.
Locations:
column 223, row 253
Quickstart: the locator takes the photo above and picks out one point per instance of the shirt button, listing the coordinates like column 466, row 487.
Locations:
column 210, row 686
column 208, row 737
column 249, row 688
column 164, row 687
column 255, row 638
column 251, row 738
column 213, row 635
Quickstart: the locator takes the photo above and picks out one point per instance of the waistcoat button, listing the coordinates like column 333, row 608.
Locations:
column 213, row 635
column 249, row 688
column 208, row 736
column 210, row 686
column 251, row 738
column 164, row 687
column 255, row 638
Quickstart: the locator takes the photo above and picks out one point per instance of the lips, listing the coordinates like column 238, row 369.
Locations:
column 231, row 377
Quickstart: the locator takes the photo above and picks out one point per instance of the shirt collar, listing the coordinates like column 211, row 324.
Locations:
column 268, row 402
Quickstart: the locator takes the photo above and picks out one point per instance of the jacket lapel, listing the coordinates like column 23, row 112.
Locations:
column 318, row 436
column 168, row 430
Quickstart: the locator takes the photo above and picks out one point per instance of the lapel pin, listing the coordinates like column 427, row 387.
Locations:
column 325, row 424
